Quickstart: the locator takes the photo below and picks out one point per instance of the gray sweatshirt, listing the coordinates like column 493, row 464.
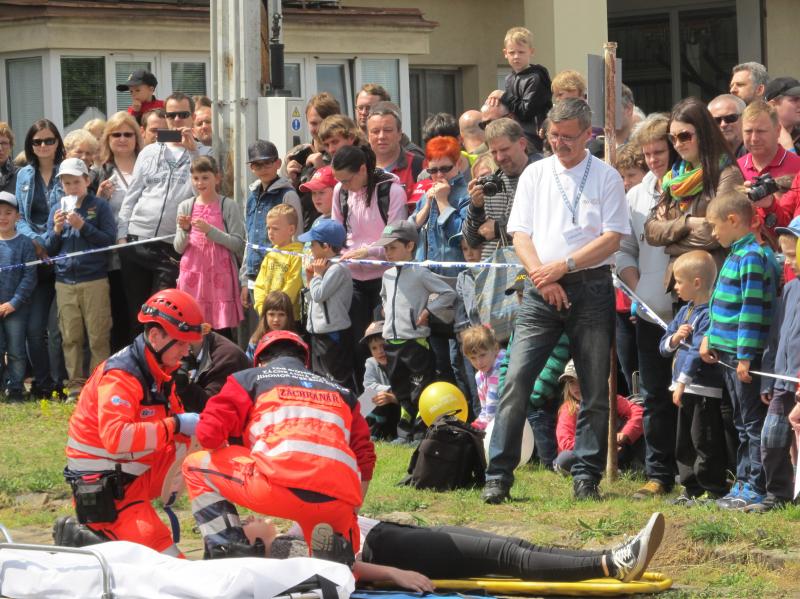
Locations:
column 407, row 291
column 375, row 377
column 331, row 295
column 161, row 180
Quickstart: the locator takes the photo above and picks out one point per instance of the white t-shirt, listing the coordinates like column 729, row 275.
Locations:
column 540, row 211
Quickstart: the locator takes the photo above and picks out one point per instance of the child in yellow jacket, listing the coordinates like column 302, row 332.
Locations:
column 281, row 272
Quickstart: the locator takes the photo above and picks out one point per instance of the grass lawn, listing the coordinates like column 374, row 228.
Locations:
column 708, row 553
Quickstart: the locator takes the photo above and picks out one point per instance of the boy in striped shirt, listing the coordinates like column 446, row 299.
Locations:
column 740, row 313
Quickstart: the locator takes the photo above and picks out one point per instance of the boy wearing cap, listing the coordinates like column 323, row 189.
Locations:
column 142, row 86
column 385, row 415
column 781, row 356
column 16, row 287
column 266, row 192
column 320, row 186
column 81, row 222
column 409, row 294
column 330, row 288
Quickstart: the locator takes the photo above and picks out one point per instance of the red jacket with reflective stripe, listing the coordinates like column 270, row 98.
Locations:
column 115, row 421
column 304, row 431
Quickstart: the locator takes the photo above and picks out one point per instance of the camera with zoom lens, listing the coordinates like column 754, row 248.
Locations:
column 492, row 184
column 762, row 187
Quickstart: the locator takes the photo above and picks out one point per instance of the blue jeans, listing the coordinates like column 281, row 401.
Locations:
column 626, row 349
column 589, row 324
column 42, row 299
column 749, row 414
column 660, row 414
column 543, row 424
column 12, row 347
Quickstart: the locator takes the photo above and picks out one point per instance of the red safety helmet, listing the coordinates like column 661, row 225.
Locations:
column 276, row 336
column 176, row 312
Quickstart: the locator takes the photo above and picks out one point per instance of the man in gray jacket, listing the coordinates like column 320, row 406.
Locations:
column 161, row 180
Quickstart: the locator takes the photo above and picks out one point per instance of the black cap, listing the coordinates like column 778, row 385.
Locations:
column 261, row 150
column 140, row 77
column 781, row 86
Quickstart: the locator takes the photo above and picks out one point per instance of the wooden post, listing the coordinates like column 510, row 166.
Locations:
column 610, row 59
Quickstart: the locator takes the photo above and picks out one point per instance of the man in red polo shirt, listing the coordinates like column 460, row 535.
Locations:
column 761, row 131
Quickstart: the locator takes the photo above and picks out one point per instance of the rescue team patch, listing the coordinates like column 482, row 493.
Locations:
column 118, row 401
column 319, row 396
column 147, row 412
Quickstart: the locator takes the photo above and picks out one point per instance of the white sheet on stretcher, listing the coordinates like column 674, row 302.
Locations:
column 138, row 572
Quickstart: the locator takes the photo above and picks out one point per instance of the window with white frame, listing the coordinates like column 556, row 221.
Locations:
column 83, row 90
column 122, row 70
column 385, row 72
column 292, row 78
column 25, row 93
column 334, row 77
column 189, row 78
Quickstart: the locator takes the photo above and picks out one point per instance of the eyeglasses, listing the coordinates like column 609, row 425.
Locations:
column 682, row 137
column 47, row 141
column 180, row 114
column 262, row 163
column 728, row 118
column 125, row 134
column 440, row 169
column 564, row 139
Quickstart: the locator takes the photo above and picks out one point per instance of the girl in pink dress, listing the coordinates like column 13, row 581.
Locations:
column 210, row 236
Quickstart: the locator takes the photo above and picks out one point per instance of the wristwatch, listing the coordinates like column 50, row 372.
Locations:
column 571, row 266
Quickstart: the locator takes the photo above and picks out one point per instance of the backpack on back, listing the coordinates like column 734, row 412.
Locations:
column 384, row 187
column 451, row 456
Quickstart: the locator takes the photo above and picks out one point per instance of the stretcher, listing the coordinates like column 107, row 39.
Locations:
column 651, row 582
column 122, row 570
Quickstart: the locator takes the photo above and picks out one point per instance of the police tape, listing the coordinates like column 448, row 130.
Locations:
column 621, row 285
column 58, row 257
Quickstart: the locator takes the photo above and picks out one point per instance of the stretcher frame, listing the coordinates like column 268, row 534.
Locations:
column 108, row 579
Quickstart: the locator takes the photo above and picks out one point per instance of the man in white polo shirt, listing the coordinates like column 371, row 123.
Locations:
column 568, row 217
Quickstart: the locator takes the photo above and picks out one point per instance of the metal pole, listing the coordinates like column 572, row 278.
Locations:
column 236, row 64
column 610, row 59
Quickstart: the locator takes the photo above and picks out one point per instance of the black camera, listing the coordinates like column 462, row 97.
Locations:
column 492, row 184
column 762, row 187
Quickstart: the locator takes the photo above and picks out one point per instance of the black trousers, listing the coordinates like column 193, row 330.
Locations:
column 411, row 367
column 146, row 269
column 332, row 356
column 366, row 301
column 120, row 314
column 454, row 552
column 700, row 446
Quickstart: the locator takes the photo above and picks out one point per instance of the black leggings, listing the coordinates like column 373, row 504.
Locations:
column 454, row 552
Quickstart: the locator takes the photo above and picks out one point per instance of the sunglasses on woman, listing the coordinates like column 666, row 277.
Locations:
column 682, row 137
column 125, row 134
column 48, row 141
column 440, row 169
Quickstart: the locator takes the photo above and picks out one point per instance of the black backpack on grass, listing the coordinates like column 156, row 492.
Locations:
column 451, row 456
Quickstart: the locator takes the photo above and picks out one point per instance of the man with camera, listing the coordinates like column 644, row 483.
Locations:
column 765, row 161
column 161, row 180
column 491, row 196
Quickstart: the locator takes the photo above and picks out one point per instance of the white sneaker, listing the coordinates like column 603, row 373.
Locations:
column 632, row 557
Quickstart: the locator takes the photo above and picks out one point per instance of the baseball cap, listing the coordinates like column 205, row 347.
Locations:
column 73, row 166
column 401, row 230
column 781, row 86
column 321, row 179
column 518, row 284
column 325, row 230
column 569, row 372
column 792, row 229
column 7, row 198
column 375, row 328
column 261, row 149
column 140, row 77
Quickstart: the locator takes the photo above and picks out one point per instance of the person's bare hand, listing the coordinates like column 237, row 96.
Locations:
column 75, row 221
column 765, row 398
column 486, row 230
column 555, row 295
column 319, row 266
column 794, row 417
column 383, row 398
column 185, row 221
column 244, row 296
column 6, row 309
column 106, row 189
column 677, row 394
column 743, row 371
column 413, row 581
column 709, row 356
column 476, row 193
column 423, row 319
column 187, row 139
column 548, row 273
column 59, row 218
column 358, row 254
column 293, row 169
column 201, row 225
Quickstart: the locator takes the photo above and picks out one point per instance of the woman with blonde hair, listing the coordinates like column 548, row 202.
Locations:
column 120, row 144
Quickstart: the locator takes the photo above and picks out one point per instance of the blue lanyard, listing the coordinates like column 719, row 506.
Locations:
column 573, row 208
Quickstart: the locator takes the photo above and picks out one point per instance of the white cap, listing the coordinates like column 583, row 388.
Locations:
column 7, row 198
column 73, row 166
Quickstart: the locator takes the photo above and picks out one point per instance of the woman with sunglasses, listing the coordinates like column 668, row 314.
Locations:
column 38, row 191
column 442, row 210
column 705, row 168
column 120, row 144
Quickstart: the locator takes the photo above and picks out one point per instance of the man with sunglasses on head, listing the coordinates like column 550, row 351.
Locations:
column 161, row 180
column 129, row 433
column 726, row 110
column 567, row 220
